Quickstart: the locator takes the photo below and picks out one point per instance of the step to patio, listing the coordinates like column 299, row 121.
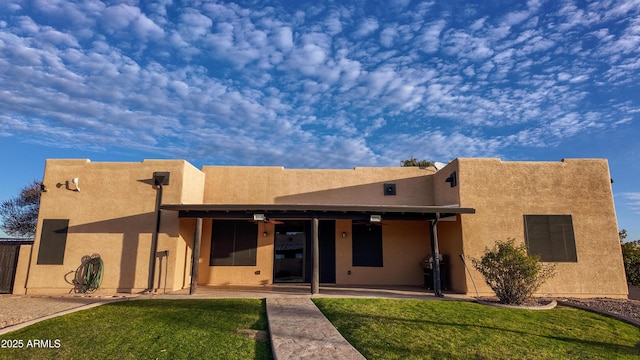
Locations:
column 300, row 331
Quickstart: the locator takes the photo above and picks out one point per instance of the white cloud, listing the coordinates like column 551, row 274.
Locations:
column 388, row 36
column 120, row 17
column 283, row 38
column 367, row 26
column 631, row 200
column 517, row 17
column 326, row 80
column 333, row 24
column 194, row 25
column 462, row 44
column 478, row 24
column 429, row 39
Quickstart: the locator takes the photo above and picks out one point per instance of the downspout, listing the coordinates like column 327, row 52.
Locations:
column 154, row 239
column 437, row 286
column 160, row 178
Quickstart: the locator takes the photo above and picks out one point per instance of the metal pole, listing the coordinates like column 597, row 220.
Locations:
column 437, row 286
column 315, row 276
column 195, row 256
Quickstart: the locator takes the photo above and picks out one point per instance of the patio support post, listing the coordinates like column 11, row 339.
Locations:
column 437, row 286
column 315, row 275
column 195, row 256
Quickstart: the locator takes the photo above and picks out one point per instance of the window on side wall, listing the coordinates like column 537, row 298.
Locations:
column 53, row 241
column 551, row 237
column 233, row 243
column 367, row 245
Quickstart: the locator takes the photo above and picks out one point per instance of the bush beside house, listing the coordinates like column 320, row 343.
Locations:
column 511, row 273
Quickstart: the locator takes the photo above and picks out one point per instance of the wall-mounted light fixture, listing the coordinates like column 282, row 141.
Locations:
column 75, row 181
column 344, row 234
column 265, row 234
column 452, row 179
column 259, row 217
column 375, row 218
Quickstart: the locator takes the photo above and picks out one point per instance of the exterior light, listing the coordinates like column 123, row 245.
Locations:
column 75, row 181
column 375, row 218
column 264, row 234
column 452, row 179
column 344, row 234
column 259, row 217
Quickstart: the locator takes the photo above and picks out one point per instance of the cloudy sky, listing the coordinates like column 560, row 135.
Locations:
column 321, row 84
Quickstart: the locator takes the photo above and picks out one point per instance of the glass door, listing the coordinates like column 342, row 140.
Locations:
column 289, row 252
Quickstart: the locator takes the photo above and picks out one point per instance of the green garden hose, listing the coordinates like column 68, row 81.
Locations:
column 89, row 274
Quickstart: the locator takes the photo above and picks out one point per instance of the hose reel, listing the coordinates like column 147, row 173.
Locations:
column 89, row 274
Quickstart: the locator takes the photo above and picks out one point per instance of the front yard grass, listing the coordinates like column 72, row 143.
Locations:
column 418, row 329
column 149, row 329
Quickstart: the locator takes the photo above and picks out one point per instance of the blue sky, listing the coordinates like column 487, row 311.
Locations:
column 321, row 84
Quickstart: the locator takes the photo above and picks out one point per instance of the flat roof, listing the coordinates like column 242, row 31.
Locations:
column 316, row 210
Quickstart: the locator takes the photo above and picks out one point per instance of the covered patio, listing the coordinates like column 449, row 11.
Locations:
column 315, row 213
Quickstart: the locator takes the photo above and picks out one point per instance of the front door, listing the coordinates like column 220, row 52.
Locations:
column 327, row 244
column 290, row 251
column 293, row 251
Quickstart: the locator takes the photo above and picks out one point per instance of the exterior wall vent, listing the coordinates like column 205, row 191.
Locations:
column 389, row 189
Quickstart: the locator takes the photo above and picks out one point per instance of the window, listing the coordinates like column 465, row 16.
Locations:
column 53, row 241
column 551, row 237
column 367, row 245
column 233, row 243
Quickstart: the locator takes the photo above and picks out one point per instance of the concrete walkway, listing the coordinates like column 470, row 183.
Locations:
column 300, row 331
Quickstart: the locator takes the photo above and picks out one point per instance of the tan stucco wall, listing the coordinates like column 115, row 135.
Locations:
column 22, row 270
column 503, row 192
column 404, row 246
column 238, row 275
column 444, row 193
column 269, row 185
column 113, row 215
column 450, row 245
column 184, row 258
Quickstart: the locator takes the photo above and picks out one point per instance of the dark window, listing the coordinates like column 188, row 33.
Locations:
column 367, row 245
column 551, row 237
column 53, row 241
column 233, row 243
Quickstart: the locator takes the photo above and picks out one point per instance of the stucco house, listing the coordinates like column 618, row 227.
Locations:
column 166, row 225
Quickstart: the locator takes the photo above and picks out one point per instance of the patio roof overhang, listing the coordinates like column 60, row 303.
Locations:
column 320, row 211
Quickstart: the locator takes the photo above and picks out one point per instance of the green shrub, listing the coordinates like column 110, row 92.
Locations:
column 631, row 257
column 511, row 273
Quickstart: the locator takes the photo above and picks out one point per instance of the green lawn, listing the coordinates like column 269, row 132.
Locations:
column 379, row 328
column 149, row 329
column 415, row 329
